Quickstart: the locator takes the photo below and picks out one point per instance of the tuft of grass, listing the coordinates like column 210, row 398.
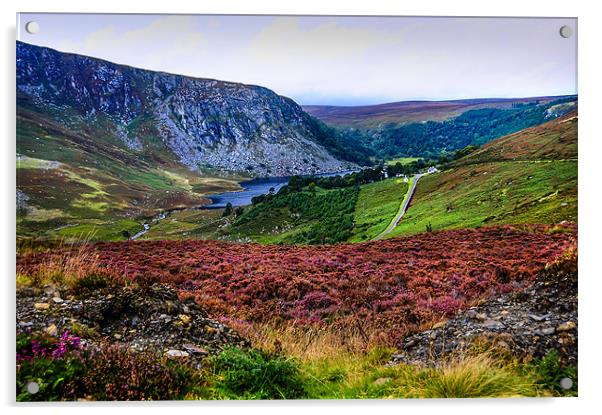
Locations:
column 352, row 368
column 252, row 374
column 75, row 266
column 472, row 376
column 480, row 376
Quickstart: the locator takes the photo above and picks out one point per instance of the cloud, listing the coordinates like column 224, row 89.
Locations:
column 285, row 39
column 158, row 45
column 347, row 60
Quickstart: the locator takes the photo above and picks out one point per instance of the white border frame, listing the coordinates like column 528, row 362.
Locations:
column 590, row 151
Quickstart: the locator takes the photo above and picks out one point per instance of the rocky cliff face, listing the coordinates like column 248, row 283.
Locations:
column 204, row 122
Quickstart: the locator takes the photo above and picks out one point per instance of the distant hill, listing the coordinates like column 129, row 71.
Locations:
column 475, row 127
column 526, row 177
column 404, row 112
column 556, row 139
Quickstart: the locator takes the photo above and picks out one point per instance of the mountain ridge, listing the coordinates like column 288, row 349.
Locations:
column 204, row 122
column 403, row 112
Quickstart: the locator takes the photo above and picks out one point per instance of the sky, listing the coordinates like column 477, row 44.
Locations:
column 332, row 60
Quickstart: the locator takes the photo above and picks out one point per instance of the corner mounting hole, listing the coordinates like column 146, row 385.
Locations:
column 32, row 27
column 566, row 31
column 32, row 387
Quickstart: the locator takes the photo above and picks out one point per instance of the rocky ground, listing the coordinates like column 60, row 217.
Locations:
column 532, row 322
column 141, row 319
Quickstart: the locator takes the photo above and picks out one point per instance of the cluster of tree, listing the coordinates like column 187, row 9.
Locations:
column 474, row 127
column 229, row 210
column 408, row 169
column 431, row 139
column 325, row 217
column 345, row 144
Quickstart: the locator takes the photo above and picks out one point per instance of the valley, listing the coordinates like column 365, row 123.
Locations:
column 527, row 177
column 520, row 178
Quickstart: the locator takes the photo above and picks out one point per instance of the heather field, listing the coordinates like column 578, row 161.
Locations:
column 383, row 288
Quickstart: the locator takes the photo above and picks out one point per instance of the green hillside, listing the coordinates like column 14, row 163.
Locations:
column 312, row 215
column 377, row 204
column 527, row 177
column 77, row 181
column 554, row 140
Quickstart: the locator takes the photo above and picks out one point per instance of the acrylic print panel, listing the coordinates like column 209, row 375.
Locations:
column 295, row 207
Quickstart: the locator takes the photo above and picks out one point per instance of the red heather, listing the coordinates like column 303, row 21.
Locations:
column 394, row 284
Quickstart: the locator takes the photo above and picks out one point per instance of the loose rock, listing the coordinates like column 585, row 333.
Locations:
column 52, row 330
column 569, row 325
column 531, row 322
column 153, row 318
column 173, row 353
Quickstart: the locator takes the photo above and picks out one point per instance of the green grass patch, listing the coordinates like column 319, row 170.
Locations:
column 376, row 206
column 493, row 193
column 401, row 160
column 97, row 230
column 252, row 374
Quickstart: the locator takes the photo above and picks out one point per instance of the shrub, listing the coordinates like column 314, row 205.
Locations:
column 394, row 285
column 227, row 210
column 550, row 371
column 114, row 373
column 65, row 370
column 256, row 375
column 90, row 282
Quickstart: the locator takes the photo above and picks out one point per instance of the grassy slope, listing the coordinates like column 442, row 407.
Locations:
column 527, row 177
column 376, row 206
column 309, row 216
column 554, row 140
column 87, row 182
column 197, row 224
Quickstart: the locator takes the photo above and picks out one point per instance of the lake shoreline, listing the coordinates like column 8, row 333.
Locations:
column 256, row 187
column 250, row 188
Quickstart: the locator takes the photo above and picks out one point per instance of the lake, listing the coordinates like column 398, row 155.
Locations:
column 256, row 187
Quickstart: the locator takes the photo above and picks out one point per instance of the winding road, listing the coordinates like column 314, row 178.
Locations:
column 402, row 209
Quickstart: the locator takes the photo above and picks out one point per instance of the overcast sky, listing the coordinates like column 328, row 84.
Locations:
column 333, row 60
